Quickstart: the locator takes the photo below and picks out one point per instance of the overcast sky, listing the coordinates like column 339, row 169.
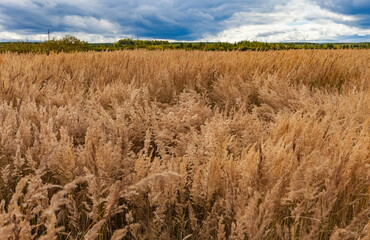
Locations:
column 190, row 20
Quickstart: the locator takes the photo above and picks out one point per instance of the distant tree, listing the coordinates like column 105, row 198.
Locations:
column 330, row 46
column 67, row 43
column 128, row 42
column 69, row 39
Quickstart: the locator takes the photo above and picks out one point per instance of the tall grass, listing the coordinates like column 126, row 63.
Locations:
column 185, row 145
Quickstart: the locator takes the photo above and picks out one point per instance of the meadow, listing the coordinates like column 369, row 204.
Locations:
column 185, row 145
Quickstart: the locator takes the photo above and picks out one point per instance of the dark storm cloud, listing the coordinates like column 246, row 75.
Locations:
column 358, row 8
column 172, row 19
column 346, row 6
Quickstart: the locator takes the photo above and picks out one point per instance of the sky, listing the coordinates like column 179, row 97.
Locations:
column 187, row 20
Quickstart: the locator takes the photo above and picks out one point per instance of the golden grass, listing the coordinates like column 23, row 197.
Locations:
column 185, row 145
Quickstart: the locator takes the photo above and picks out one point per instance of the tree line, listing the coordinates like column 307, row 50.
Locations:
column 72, row 44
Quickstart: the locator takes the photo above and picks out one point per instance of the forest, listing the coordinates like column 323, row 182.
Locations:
column 72, row 44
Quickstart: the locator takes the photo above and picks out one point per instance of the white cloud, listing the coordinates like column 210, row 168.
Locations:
column 90, row 24
column 89, row 37
column 298, row 20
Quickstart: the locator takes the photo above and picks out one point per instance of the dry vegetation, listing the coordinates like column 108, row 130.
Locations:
column 185, row 145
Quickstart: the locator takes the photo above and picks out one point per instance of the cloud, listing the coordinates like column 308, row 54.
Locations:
column 90, row 24
column 297, row 20
column 346, row 6
column 358, row 8
column 89, row 37
column 174, row 19
column 217, row 20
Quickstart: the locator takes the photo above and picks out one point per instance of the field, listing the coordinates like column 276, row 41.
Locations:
column 185, row 145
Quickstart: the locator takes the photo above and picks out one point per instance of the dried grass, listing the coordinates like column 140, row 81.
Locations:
column 185, row 145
